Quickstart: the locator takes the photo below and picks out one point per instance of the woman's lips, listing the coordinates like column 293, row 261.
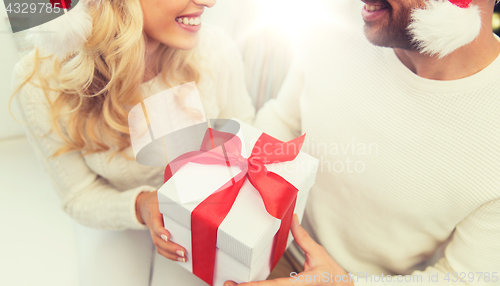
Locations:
column 372, row 12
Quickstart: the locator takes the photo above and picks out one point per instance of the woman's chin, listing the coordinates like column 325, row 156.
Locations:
column 184, row 44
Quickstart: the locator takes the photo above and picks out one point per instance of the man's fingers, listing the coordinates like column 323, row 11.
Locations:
column 311, row 248
column 303, row 239
column 276, row 282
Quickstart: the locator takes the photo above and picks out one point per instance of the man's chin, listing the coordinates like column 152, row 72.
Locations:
column 373, row 37
column 378, row 38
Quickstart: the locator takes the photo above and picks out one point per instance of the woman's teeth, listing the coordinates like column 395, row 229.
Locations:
column 372, row 8
column 190, row 22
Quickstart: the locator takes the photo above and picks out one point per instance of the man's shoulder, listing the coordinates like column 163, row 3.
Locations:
column 336, row 47
column 216, row 43
column 212, row 34
column 218, row 54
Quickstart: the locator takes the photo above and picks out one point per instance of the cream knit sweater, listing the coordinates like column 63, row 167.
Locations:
column 406, row 163
column 101, row 194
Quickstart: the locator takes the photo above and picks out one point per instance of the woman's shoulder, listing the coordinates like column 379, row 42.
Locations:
column 29, row 80
column 28, row 93
column 36, row 58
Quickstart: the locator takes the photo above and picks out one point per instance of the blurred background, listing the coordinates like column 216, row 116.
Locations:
column 38, row 244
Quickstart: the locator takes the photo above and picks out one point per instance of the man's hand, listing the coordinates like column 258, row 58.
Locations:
column 318, row 262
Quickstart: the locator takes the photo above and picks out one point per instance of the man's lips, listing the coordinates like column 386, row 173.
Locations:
column 373, row 10
column 376, row 2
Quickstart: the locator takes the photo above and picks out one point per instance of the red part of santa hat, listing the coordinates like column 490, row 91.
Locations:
column 461, row 3
column 443, row 26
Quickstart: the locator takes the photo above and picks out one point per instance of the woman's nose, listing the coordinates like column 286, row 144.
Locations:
column 207, row 3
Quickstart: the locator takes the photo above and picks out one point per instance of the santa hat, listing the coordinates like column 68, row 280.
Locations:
column 444, row 26
column 67, row 33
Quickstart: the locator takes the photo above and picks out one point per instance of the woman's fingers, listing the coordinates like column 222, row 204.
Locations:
column 161, row 232
column 174, row 251
column 161, row 236
column 170, row 256
column 157, row 225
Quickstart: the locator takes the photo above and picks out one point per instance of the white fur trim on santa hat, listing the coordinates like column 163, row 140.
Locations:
column 443, row 27
column 64, row 35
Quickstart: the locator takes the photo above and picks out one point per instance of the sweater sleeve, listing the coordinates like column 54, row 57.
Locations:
column 280, row 117
column 85, row 196
column 471, row 258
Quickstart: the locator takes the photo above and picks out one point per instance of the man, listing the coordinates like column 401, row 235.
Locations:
column 406, row 123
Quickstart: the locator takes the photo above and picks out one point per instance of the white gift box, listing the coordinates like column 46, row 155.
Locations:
column 245, row 237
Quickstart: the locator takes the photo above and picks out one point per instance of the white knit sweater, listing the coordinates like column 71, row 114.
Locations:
column 101, row 194
column 406, row 163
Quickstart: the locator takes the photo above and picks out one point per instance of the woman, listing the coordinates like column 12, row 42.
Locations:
column 76, row 110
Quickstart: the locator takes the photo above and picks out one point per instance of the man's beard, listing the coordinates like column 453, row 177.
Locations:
column 394, row 34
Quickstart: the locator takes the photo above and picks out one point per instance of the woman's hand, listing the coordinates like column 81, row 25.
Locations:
column 318, row 264
column 148, row 213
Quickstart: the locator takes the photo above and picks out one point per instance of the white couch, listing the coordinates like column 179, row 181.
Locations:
column 38, row 241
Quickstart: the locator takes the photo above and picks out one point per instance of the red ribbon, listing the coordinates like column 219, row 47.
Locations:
column 278, row 195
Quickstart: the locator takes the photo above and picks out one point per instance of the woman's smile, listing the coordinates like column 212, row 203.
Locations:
column 174, row 23
column 190, row 22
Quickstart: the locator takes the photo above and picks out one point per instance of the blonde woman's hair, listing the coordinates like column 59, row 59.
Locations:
column 98, row 85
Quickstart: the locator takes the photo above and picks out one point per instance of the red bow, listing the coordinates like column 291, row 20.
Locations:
column 278, row 195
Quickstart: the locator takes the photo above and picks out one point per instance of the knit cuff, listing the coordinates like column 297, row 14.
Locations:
column 130, row 216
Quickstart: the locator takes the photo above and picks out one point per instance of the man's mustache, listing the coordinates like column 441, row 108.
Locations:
column 374, row 2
